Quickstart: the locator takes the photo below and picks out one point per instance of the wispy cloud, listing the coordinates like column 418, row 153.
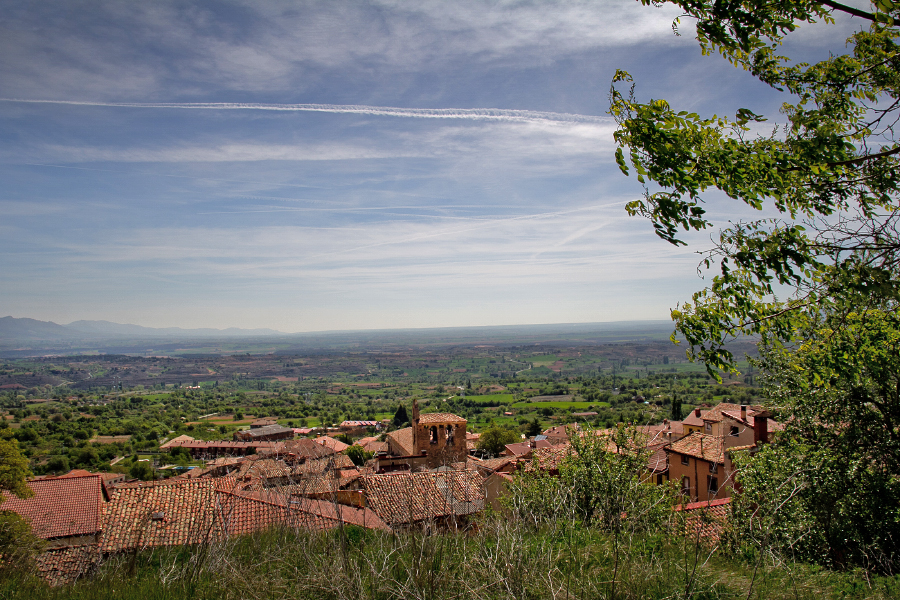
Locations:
column 474, row 114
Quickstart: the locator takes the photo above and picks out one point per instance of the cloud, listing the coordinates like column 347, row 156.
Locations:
column 128, row 50
column 474, row 114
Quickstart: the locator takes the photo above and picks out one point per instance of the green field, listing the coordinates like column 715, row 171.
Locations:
column 491, row 399
column 561, row 404
column 543, row 360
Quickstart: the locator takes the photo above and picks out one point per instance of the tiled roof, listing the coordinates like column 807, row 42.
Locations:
column 403, row 438
column 699, row 445
column 306, row 448
column 693, row 419
column 519, row 448
column 705, row 520
column 440, row 418
column 165, row 513
column 495, row 464
column 62, row 566
column 265, row 431
column 549, row 459
column 715, row 413
column 376, row 446
column 322, row 465
column 324, row 513
column 243, row 514
column 176, row 442
column 359, row 423
column 366, row 440
column 267, row 468
column 330, row 442
column 61, row 506
column 404, row 498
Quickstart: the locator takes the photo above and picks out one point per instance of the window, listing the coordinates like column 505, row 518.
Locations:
column 709, row 426
column 449, row 434
column 713, row 467
column 659, row 479
column 686, row 485
column 434, row 435
column 735, row 431
column 685, row 460
column 712, row 484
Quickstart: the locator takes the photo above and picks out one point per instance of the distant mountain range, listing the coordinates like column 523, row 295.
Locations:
column 25, row 329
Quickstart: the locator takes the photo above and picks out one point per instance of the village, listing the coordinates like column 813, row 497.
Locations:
column 429, row 475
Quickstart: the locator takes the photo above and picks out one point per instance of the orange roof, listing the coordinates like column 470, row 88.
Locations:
column 161, row 513
column 62, row 566
column 705, row 520
column 410, row 497
column 404, row 439
column 699, row 445
column 440, row 418
column 61, row 506
column 330, row 442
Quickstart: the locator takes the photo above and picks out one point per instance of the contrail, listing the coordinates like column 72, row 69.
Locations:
column 475, row 114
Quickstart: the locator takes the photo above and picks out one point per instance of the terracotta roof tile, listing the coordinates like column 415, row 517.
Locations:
column 404, row 498
column 440, row 418
column 403, row 438
column 549, row 459
column 699, row 445
column 61, row 506
column 166, row 513
column 705, row 520
column 62, row 566
column 330, row 442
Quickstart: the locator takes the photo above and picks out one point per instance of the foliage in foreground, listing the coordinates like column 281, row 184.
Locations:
column 503, row 560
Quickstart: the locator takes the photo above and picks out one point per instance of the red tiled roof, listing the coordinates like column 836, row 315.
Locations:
column 440, row 418
column 163, row 513
column 403, row 438
column 699, row 445
column 704, row 520
column 330, row 442
column 410, row 497
column 62, row 566
column 549, row 459
column 306, row 448
column 61, row 506
column 519, row 448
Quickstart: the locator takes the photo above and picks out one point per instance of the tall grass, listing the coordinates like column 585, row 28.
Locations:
column 503, row 559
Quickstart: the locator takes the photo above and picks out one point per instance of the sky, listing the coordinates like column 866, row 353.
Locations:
column 333, row 165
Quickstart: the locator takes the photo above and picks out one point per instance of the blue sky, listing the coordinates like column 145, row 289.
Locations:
column 159, row 186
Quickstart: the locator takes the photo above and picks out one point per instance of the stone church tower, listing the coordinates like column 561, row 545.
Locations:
column 439, row 436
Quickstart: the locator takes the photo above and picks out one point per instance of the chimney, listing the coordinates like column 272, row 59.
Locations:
column 744, row 412
column 697, row 412
column 761, row 427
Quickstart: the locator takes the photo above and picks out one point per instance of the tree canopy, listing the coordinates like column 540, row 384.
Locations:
column 818, row 283
column 830, row 171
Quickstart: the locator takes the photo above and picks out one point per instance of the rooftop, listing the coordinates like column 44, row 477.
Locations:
column 440, row 418
column 61, row 506
column 702, row 446
column 410, row 497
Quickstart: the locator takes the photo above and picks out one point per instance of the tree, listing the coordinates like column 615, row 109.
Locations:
column 495, row 438
column 831, row 173
column 827, row 489
column 676, row 407
column 18, row 545
column 13, row 470
column 533, row 428
column 358, row 455
column 141, row 470
column 400, row 417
